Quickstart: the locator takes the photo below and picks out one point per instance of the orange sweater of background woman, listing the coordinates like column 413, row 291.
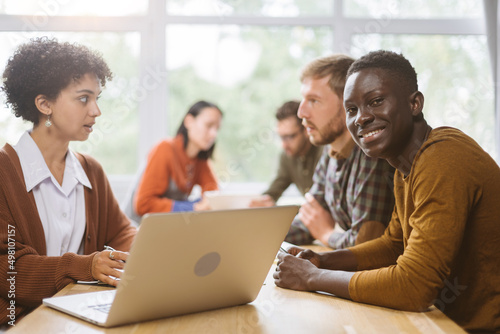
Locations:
column 169, row 166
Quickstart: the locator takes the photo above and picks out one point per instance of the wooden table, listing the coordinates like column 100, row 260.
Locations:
column 275, row 310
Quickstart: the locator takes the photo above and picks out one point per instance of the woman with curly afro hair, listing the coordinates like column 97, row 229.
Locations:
column 57, row 210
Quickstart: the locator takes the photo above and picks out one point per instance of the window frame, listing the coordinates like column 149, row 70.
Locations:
column 152, row 29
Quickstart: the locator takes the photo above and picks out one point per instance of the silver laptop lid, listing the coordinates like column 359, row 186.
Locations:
column 195, row 261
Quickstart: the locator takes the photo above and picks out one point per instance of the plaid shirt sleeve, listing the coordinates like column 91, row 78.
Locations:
column 298, row 233
column 369, row 197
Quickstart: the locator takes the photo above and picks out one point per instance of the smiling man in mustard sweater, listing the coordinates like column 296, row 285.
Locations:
column 442, row 245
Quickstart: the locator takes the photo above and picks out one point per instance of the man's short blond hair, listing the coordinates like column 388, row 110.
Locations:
column 334, row 66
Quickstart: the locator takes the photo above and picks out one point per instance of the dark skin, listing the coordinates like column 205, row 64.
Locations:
column 305, row 270
column 378, row 102
column 385, row 119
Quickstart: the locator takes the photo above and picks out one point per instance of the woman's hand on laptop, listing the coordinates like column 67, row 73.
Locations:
column 108, row 263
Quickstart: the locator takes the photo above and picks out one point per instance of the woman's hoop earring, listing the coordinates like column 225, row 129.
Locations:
column 48, row 123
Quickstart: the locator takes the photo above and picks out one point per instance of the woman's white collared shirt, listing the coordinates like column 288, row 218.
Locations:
column 61, row 207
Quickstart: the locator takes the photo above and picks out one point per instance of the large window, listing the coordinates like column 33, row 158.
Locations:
column 246, row 56
column 454, row 76
column 421, row 9
column 40, row 11
column 273, row 8
column 247, row 71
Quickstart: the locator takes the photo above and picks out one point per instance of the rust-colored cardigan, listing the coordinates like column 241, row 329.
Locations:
column 36, row 275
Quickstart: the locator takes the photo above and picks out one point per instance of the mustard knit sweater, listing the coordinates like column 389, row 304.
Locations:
column 442, row 245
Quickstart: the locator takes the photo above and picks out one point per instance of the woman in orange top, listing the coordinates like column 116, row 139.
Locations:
column 175, row 165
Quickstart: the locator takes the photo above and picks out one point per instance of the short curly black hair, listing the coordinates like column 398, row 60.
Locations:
column 396, row 63
column 46, row 66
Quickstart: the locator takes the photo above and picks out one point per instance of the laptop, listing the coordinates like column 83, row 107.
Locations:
column 225, row 201
column 188, row 262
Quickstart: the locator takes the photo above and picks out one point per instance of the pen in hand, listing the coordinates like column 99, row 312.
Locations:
column 283, row 250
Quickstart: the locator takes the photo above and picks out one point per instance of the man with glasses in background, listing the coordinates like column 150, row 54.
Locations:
column 298, row 158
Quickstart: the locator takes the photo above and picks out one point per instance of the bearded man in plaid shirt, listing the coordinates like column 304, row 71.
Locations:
column 351, row 200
